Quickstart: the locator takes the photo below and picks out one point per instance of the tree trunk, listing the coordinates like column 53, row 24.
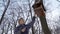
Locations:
column 31, row 15
column 39, row 10
column 4, row 11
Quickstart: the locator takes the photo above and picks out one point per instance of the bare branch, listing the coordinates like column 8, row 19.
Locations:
column 4, row 11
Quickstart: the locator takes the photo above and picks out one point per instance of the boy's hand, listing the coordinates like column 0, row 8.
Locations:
column 23, row 30
column 35, row 15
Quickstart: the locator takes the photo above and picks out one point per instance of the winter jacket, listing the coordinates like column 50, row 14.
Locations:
column 20, row 27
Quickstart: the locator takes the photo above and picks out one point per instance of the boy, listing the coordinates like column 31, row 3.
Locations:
column 22, row 28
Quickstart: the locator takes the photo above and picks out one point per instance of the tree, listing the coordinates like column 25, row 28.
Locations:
column 39, row 10
column 4, row 11
column 31, row 16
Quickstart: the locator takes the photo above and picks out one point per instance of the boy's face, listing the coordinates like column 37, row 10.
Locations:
column 21, row 22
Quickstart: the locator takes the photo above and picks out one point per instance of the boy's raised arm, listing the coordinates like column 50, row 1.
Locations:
column 31, row 23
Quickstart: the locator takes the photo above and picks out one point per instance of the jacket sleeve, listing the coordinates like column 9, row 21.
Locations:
column 31, row 23
column 17, row 31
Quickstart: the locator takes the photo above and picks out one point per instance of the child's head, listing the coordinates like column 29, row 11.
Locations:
column 21, row 21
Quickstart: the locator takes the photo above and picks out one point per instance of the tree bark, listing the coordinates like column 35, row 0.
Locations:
column 39, row 10
column 4, row 11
